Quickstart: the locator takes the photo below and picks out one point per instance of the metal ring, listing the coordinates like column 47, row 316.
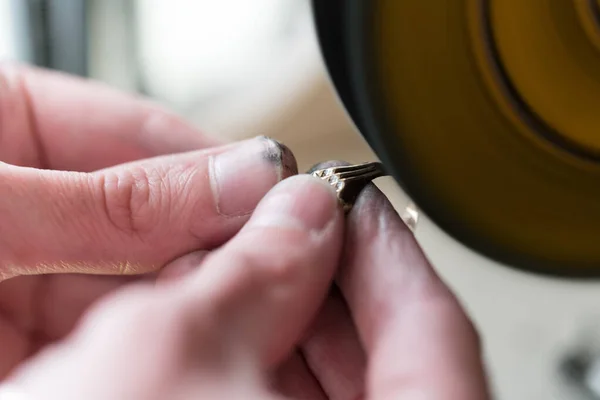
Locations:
column 350, row 180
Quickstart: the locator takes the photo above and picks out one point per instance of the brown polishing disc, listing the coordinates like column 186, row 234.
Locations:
column 488, row 114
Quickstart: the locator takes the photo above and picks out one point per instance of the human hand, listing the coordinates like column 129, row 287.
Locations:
column 125, row 220
column 390, row 329
column 235, row 327
column 212, row 332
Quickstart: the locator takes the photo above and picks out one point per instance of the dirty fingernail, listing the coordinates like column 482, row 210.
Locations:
column 241, row 176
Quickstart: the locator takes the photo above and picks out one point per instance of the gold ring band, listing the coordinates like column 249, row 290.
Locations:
column 349, row 180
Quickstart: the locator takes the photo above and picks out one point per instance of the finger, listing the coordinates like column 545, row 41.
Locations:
column 334, row 353
column 419, row 342
column 266, row 284
column 15, row 347
column 250, row 302
column 136, row 345
column 132, row 218
column 333, row 349
column 50, row 120
column 294, row 380
column 49, row 306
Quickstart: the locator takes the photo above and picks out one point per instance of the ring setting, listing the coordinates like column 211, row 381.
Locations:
column 349, row 180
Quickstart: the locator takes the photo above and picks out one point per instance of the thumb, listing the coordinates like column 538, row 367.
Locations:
column 132, row 218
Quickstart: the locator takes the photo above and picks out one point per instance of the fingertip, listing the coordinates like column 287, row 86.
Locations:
column 281, row 155
column 242, row 175
column 300, row 202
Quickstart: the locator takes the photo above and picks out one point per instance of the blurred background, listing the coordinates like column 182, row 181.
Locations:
column 239, row 68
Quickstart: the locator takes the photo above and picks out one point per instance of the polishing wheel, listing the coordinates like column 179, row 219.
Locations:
column 487, row 112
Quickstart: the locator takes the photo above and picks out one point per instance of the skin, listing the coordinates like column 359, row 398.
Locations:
column 279, row 297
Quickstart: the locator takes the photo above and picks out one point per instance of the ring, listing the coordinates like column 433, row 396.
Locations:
column 349, row 180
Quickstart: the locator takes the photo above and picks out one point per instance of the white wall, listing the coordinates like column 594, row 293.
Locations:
column 12, row 31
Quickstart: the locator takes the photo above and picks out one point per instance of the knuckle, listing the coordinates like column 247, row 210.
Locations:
column 134, row 197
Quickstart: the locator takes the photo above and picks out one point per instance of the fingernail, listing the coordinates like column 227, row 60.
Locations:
column 300, row 202
column 241, row 176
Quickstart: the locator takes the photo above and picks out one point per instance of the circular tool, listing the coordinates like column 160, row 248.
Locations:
column 487, row 112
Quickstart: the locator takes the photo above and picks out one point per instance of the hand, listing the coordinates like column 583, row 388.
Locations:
column 210, row 333
column 392, row 330
column 125, row 220
column 236, row 326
